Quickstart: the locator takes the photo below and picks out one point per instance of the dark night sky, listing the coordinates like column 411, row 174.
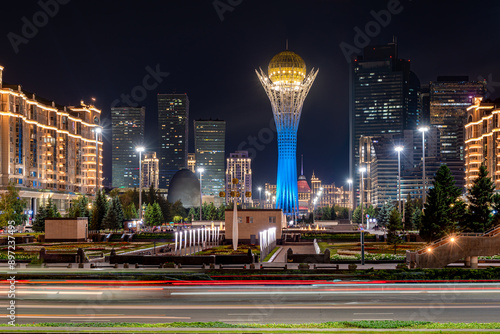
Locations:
column 101, row 49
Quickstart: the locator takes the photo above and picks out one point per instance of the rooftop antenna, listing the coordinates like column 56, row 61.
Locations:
column 286, row 44
column 301, row 165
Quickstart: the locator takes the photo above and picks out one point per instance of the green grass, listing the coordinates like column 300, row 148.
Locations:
column 383, row 324
column 268, row 257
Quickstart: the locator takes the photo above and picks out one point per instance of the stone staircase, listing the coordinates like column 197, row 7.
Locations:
column 453, row 248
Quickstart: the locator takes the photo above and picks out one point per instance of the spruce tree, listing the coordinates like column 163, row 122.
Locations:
column 110, row 220
column 99, row 210
column 444, row 211
column 385, row 213
column 479, row 217
column 408, row 214
column 39, row 222
column 393, row 226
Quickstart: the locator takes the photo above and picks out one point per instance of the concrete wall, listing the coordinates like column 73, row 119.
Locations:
column 66, row 229
column 260, row 222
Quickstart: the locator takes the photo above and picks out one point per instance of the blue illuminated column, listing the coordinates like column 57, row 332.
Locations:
column 287, row 84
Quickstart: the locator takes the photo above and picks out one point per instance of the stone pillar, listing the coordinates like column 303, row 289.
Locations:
column 467, row 262
column 473, row 262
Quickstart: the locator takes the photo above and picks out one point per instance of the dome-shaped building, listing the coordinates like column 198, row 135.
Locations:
column 184, row 187
column 287, row 69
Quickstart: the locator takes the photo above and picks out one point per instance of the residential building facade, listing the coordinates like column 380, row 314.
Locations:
column 239, row 166
column 150, row 170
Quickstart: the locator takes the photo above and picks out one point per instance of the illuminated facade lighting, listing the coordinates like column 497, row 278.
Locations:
column 287, row 85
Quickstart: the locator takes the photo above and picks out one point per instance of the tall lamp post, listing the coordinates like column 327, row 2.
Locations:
column 140, row 149
column 362, row 170
column 349, row 182
column 260, row 196
column 399, row 149
column 98, row 130
column 200, row 170
column 423, row 129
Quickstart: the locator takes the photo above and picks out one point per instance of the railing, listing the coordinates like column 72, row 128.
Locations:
column 492, row 232
column 436, row 244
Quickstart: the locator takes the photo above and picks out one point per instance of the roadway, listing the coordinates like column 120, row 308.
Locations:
column 251, row 302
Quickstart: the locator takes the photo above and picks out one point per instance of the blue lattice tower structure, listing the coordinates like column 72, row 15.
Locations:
column 287, row 84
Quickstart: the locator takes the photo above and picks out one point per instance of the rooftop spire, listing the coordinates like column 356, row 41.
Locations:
column 286, row 44
column 301, row 164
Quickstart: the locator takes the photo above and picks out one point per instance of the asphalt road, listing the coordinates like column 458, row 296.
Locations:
column 242, row 303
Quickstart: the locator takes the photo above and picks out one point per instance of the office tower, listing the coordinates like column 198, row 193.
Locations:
column 209, row 142
column 191, row 162
column 150, row 170
column 424, row 105
column 384, row 98
column 239, row 166
column 482, row 138
column 173, row 126
column 449, row 98
column 287, row 84
column 127, row 127
column 48, row 150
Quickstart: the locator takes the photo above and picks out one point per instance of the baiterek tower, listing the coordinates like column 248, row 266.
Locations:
column 287, row 84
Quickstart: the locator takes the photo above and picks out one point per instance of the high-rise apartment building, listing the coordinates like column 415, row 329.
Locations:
column 173, row 126
column 127, row 127
column 482, row 138
column 449, row 99
column 209, row 142
column 48, row 150
column 384, row 98
column 239, row 166
column 150, row 170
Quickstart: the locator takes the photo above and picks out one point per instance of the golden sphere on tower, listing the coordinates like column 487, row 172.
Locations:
column 287, row 68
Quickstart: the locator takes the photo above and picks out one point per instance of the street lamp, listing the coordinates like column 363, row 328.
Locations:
column 98, row 130
column 362, row 170
column 140, row 149
column 349, row 181
column 398, row 149
column 200, row 170
column 260, row 196
column 423, row 129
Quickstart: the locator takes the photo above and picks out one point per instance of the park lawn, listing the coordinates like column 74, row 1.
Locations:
column 228, row 250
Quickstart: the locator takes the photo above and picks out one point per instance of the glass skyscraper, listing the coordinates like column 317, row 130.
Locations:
column 127, row 127
column 173, row 126
column 384, row 98
column 209, row 141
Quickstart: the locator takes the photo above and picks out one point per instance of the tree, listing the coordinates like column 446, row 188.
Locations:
column 385, row 213
column 193, row 214
column 393, row 226
column 12, row 207
column 153, row 215
column 356, row 216
column 409, row 209
column 114, row 216
column 99, row 210
column 178, row 210
column 221, row 212
column 152, row 194
column 165, row 207
column 130, row 212
column 444, row 211
column 479, row 217
column 341, row 212
column 79, row 207
column 49, row 210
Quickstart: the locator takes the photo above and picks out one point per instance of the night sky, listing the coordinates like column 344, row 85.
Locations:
column 101, row 49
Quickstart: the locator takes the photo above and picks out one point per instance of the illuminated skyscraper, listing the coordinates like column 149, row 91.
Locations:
column 173, row 125
column 150, row 170
column 239, row 166
column 127, row 127
column 384, row 98
column 287, row 84
column 210, row 145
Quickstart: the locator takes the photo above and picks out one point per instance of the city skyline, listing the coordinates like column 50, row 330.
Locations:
column 168, row 71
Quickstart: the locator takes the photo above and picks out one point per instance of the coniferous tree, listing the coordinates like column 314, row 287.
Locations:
column 152, row 194
column 130, row 212
column 409, row 208
column 39, row 222
column 165, row 207
column 147, row 214
column 385, row 213
column 479, row 216
column 12, row 207
column 99, row 210
column 110, row 221
column 444, row 211
column 393, row 226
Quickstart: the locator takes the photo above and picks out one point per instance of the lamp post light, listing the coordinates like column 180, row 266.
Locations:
column 362, row 170
column 423, row 129
column 398, row 149
column 349, row 181
column 201, row 170
column 98, row 131
column 140, row 149
column 260, row 196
